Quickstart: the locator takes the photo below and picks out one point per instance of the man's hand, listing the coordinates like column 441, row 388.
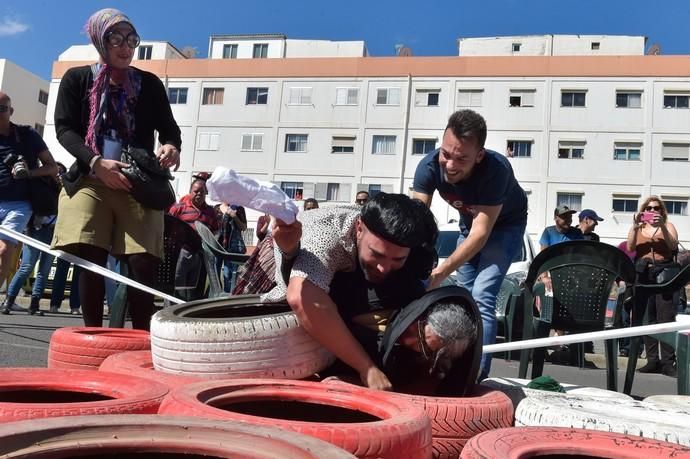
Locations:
column 168, row 156
column 26, row 168
column 375, row 379
column 287, row 237
column 108, row 170
column 437, row 276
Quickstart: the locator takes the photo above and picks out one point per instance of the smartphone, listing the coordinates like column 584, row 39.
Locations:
column 647, row 217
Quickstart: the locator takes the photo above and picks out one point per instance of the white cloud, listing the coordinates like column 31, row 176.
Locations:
column 10, row 27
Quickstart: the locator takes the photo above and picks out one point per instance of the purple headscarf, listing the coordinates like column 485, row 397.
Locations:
column 99, row 23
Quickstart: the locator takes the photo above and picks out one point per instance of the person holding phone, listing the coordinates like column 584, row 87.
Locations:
column 654, row 240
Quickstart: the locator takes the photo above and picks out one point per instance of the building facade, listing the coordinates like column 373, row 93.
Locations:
column 29, row 94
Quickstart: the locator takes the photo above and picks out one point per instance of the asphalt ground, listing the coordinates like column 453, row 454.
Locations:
column 24, row 341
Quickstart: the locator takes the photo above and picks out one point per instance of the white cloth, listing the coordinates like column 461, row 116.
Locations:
column 226, row 185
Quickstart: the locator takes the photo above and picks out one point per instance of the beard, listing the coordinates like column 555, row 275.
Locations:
column 370, row 273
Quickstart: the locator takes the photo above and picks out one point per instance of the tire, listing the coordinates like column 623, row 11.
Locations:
column 516, row 389
column 31, row 393
column 365, row 423
column 139, row 363
column 86, row 347
column 676, row 402
column 136, row 436
column 234, row 338
column 612, row 415
column 519, row 442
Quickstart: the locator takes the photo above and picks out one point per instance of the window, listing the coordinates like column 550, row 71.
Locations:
column 332, row 192
column 595, row 45
column 676, row 100
column 296, row 143
column 177, row 95
column 260, row 51
column 145, row 53
column 42, row 97
column 572, row 200
column 383, row 145
column 521, row 97
column 427, row 97
column 571, row 150
column 374, row 189
column 208, row 141
column 300, row 96
column 675, row 151
column 573, row 98
column 628, row 99
column 423, row 146
column 470, row 97
column 294, row 190
column 624, row 203
column 623, row 151
column 230, row 51
column 252, row 142
column 343, row 145
column 346, row 96
column 39, row 128
column 257, row 96
column 519, row 149
column 213, row 96
column 676, row 205
column 388, row 96
column 516, row 47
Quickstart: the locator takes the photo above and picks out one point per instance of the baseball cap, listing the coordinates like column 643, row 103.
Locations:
column 589, row 213
column 563, row 210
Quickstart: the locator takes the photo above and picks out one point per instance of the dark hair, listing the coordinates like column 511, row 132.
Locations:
column 467, row 123
column 362, row 191
column 311, row 201
column 400, row 219
column 198, row 180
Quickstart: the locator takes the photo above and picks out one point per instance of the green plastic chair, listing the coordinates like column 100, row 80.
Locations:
column 213, row 251
column 678, row 340
column 506, row 307
column 582, row 273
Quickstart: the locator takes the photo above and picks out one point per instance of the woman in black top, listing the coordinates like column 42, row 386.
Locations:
column 100, row 109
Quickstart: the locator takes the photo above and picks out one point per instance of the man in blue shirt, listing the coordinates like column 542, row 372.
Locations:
column 481, row 185
column 562, row 231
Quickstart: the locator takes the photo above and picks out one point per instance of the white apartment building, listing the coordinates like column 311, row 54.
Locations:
column 29, row 94
column 553, row 45
column 599, row 132
column 273, row 46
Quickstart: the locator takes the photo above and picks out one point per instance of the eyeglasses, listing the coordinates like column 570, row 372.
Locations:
column 361, row 201
column 4, row 108
column 115, row 39
column 650, row 208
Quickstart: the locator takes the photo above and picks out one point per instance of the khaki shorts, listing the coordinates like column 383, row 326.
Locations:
column 110, row 219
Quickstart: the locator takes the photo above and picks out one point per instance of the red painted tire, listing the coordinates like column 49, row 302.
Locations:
column 148, row 435
column 140, row 363
column 521, row 442
column 85, row 348
column 367, row 424
column 30, row 393
column 455, row 420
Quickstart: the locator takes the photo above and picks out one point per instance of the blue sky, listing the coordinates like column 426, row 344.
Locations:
column 34, row 32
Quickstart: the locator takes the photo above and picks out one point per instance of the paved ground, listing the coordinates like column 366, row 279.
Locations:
column 24, row 342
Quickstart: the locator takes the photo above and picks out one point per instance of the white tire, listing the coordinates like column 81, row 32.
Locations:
column 235, row 337
column 676, row 402
column 608, row 415
column 516, row 389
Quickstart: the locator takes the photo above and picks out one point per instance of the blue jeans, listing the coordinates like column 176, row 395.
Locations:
column 483, row 274
column 14, row 215
column 30, row 256
column 59, row 282
column 229, row 270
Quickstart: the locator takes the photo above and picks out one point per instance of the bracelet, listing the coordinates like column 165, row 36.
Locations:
column 93, row 160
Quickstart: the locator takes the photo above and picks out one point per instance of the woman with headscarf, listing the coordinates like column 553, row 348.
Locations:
column 100, row 109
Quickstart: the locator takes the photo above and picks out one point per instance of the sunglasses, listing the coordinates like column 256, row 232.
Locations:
column 115, row 39
column 650, row 208
column 4, row 108
column 361, row 201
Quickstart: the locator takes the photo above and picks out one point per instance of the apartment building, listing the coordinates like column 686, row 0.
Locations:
column 590, row 131
column 29, row 94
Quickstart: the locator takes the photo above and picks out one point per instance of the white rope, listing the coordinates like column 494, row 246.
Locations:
column 584, row 337
column 86, row 264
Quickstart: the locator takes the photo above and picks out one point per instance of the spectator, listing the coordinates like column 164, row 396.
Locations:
column 588, row 221
column 99, row 110
column 192, row 207
column 481, row 185
column 654, row 240
column 263, row 226
column 562, row 231
column 361, row 198
column 311, row 203
column 233, row 222
column 21, row 150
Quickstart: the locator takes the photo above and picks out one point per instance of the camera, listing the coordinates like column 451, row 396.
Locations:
column 17, row 165
column 647, row 217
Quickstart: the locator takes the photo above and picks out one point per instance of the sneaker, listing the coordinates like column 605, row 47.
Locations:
column 652, row 366
column 75, row 312
column 55, row 309
column 5, row 310
column 16, row 307
column 35, row 312
column 669, row 370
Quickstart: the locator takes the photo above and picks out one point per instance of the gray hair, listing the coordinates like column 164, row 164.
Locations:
column 451, row 322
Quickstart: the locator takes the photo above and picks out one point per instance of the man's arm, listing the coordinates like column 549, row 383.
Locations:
column 482, row 224
column 48, row 166
column 425, row 198
column 319, row 316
